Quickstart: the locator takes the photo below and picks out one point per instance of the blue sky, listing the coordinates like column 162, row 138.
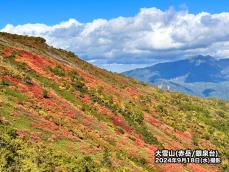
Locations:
column 149, row 31
column 53, row 11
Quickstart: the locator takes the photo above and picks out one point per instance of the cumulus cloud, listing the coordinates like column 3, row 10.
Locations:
column 149, row 37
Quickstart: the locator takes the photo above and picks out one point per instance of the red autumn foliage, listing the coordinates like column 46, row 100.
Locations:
column 184, row 134
column 21, row 134
column 7, row 51
column 206, row 144
column 36, row 90
column 66, row 134
column 172, row 168
column 10, row 79
column 139, row 142
column 117, row 120
column 37, row 61
column 88, row 78
column 50, row 126
column 132, row 91
column 199, row 168
column 105, row 111
column 151, row 120
column 85, row 99
column 152, row 148
column 90, row 81
column 117, row 132
column 35, row 135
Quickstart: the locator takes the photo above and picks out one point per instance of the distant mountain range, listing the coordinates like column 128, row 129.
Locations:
column 203, row 76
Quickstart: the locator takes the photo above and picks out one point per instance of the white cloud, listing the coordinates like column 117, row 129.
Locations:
column 150, row 36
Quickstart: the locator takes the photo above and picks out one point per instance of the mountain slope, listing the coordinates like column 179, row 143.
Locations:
column 59, row 113
column 201, row 76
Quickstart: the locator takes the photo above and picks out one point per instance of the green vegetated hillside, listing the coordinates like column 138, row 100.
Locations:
column 59, row 113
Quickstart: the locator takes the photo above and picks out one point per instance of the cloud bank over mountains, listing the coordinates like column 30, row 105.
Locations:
column 149, row 37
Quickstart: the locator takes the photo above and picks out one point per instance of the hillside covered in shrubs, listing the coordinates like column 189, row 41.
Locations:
column 60, row 113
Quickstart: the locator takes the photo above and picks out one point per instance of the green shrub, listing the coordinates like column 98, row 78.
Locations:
column 45, row 94
column 14, row 94
column 28, row 80
column 148, row 137
column 206, row 136
column 161, row 109
column 221, row 113
column 138, row 117
column 195, row 139
column 106, row 159
column 57, row 70
column 79, row 85
column 5, row 83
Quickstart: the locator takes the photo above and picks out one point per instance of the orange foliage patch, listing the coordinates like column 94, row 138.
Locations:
column 139, row 142
column 10, row 79
column 151, row 120
column 45, row 125
column 184, row 134
column 172, row 168
column 132, row 91
column 90, row 81
column 199, row 168
column 7, row 51
column 34, row 59
column 105, row 111
column 35, row 135
column 21, row 134
column 85, row 99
